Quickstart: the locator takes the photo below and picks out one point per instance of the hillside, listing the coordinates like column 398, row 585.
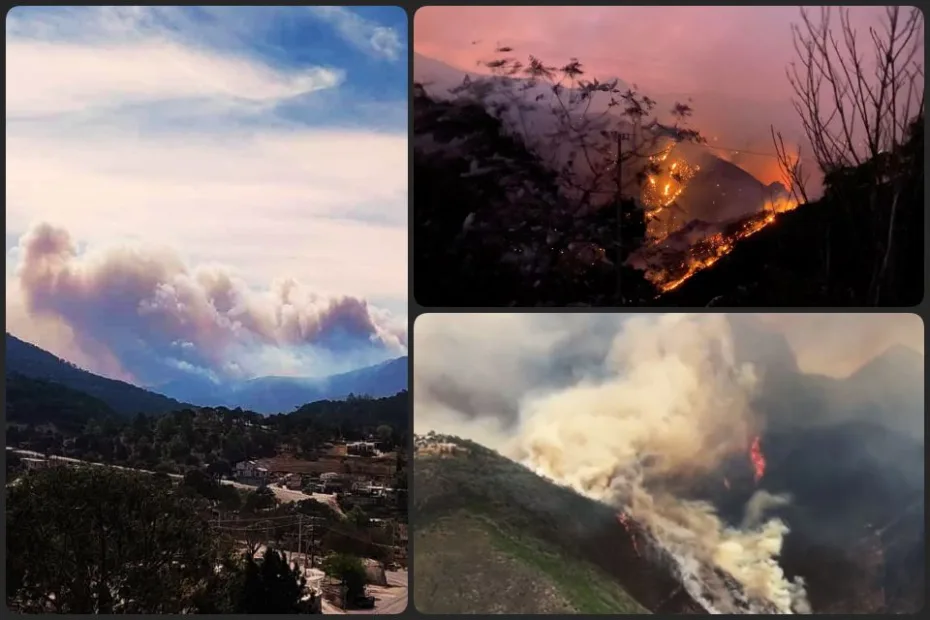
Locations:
column 499, row 224
column 492, row 537
column 281, row 394
column 28, row 360
column 39, row 402
column 263, row 394
column 267, row 394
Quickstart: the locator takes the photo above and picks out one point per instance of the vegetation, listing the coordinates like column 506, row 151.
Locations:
column 350, row 572
column 522, row 203
column 269, row 586
column 823, row 252
column 95, row 540
column 523, row 529
column 99, row 540
column 518, row 227
column 123, row 398
column 188, row 439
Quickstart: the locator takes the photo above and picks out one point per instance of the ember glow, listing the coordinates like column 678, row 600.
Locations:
column 707, row 252
column 661, row 191
column 664, row 188
column 757, row 458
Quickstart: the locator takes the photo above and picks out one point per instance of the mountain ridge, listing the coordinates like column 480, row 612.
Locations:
column 262, row 394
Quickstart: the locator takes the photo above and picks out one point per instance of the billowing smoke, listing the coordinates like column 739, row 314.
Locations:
column 677, row 405
column 158, row 316
column 627, row 410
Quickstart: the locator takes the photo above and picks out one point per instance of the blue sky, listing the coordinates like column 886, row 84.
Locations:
column 239, row 169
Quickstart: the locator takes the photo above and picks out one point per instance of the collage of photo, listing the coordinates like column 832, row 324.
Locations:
column 443, row 310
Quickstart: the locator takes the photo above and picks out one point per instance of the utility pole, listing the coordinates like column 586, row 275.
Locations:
column 300, row 531
column 619, row 206
column 312, row 542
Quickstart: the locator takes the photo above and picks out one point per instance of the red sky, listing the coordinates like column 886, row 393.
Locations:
column 732, row 60
column 728, row 50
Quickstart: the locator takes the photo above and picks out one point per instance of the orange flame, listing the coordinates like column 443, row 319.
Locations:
column 757, row 458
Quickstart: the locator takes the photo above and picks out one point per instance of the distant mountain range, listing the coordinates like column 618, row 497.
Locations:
column 283, row 394
column 262, row 394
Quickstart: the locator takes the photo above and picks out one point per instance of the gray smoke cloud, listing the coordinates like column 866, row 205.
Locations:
column 617, row 406
column 154, row 313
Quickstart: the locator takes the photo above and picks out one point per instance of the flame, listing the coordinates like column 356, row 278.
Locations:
column 672, row 180
column 624, row 520
column 712, row 249
column 757, row 458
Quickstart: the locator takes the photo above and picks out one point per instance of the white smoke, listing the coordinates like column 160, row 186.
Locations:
column 674, row 405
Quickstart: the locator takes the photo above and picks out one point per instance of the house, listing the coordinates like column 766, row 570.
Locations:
column 31, row 464
column 361, row 448
column 250, row 470
column 331, row 482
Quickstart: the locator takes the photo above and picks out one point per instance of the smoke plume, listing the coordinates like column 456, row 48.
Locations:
column 669, row 400
column 156, row 315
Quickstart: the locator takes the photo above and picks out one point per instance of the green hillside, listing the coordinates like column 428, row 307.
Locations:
column 493, row 537
column 38, row 402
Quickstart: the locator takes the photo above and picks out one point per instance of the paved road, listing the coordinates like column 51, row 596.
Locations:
column 283, row 495
column 391, row 599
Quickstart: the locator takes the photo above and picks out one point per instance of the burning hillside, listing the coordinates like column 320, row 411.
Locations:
column 679, row 243
column 667, row 423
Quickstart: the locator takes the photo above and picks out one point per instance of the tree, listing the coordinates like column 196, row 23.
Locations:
column 219, row 468
column 534, row 186
column 104, row 541
column 358, row 517
column 857, row 112
column 260, row 499
column 350, row 572
column 270, row 586
column 385, row 435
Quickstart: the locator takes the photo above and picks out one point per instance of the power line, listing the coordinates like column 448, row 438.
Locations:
column 740, row 151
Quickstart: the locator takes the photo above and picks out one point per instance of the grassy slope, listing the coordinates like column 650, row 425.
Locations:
column 494, row 537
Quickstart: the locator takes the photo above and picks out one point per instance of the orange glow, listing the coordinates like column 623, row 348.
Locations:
column 712, row 249
column 757, row 458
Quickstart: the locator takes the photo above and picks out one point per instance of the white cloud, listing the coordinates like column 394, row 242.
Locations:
column 88, row 149
column 364, row 34
column 49, row 78
column 270, row 201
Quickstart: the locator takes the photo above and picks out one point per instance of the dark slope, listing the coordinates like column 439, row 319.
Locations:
column 490, row 229
column 38, row 402
column 850, row 453
column 32, row 362
column 827, row 253
column 574, row 544
column 356, row 412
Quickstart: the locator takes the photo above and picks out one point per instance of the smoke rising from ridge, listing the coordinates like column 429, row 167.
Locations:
column 158, row 316
column 622, row 409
